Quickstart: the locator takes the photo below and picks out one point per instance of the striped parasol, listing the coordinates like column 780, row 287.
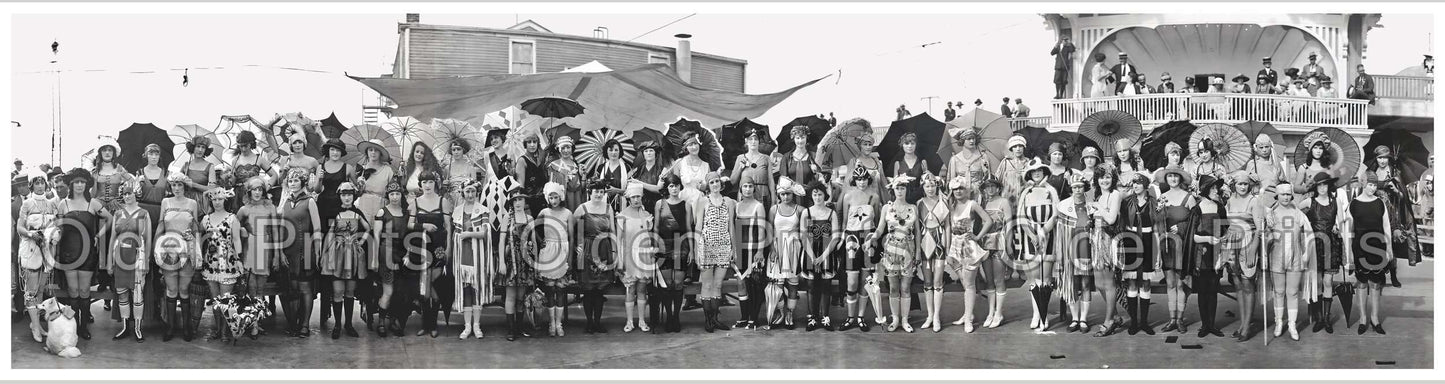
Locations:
column 183, row 134
column 373, row 134
column 590, row 146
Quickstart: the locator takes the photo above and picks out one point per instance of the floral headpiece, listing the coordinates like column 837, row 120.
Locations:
column 900, row 180
column 786, row 185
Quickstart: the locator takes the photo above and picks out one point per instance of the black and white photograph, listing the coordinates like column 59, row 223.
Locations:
column 862, row 187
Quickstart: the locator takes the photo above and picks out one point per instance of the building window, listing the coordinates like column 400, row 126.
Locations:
column 523, row 58
column 653, row 58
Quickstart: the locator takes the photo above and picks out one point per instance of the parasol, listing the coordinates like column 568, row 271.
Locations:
column 1152, row 150
column 994, row 131
column 840, row 145
column 1341, row 147
column 733, row 136
column 1410, row 152
column 589, row 147
column 1107, row 127
column 234, row 125
column 1038, row 142
column 664, row 155
column 1074, row 144
column 711, row 149
column 1252, row 129
column 284, row 126
column 449, row 131
column 553, row 107
column 552, row 134
column 409, row 131
column 930, row 133
column 182, row 134
column 1231, row 147
column 133, row 141
column 367, row 132
column 331, row 127
column 624, row 100
column 816, row 129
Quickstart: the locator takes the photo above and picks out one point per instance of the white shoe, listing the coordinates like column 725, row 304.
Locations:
column 961, row 321
column 628, row 327
column 968, row 327
column 1293, row 333
column 938, row 325
column 642, row 325
column 906, row 327
column 987, row 320
column 928, row 322
column 1278, row 328
column 466, row 332
column 477, row 331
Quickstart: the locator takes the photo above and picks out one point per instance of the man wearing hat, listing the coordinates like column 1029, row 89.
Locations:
column 1063, row 53
column 1005, row 110
column 1123, row 71
column 1269, row 75
column 949, row 113
column 1312, row 69
column 1364, row 88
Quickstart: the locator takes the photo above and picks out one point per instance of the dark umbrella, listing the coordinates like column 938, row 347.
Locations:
column 1410, row 153
column 840, row 145
column 133, row 141
column 562, row 130
column 553, row 107
column 930, row 132
column 1074, row 144
column 711, row 150
column 665, row 155
column 283, row 126
column 331, row 127
column 1107, row 127
column 1038, row 142
column 1152, row 151
column 733, row 136
column 1340, row 146
column 816, row 129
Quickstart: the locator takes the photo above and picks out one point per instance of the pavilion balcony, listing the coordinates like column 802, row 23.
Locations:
column 1287, row 113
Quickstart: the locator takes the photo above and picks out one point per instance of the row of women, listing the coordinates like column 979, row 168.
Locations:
column 420, row 237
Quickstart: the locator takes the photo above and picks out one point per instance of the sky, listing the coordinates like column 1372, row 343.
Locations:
column 236, row 63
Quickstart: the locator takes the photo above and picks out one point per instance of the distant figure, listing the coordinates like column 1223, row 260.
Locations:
column 903, row 112
column 949, row 113
column 1216, row 85
column 1429, row 65
column 1124, row 72
column 1312, row 69
column 1166, row 84
column 1141, row 84
column 978, row 103
column 1269, row 75
column 1063, row 53
column 1004, row 110
column 1327, row 88
column 1262, row 85
column 1101, row 80
column 1020, row 110
column 1241, row 84
column 1364, row 88
column 832, row 122
column 1188, row 86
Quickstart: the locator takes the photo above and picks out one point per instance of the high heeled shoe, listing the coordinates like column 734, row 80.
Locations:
column 1379, row 329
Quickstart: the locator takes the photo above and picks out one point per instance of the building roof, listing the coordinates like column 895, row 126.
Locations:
column 526, row 29
column 530, row 25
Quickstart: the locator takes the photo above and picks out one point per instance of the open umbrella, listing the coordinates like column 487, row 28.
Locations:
column 590, row 146
column 711, row 149
column 1230, row 146
column 1074, row 144
column 234, row 125
column 1410, row 152
column 182, row 134
column 331, row 127
column 367, row 132
column 1107, row 127
column 563, row 129
column 665, row 155
column 816, row 129
column 930, row 133
column 449, row 131
column 553, row 107
column 409, row 131
column 733, row 139
column 284, row 126
column 1340, row 146
column 1152, row 150
column 133, row 141
column 840, row 145
column 994, row 131
column 1038, row 142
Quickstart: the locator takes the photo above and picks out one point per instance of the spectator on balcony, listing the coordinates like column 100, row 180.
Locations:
column 1312, row 84
column 1429, row 65
column 1262, row 86
column 1216, row 85
column 1123, row 72
column 1270, row 76
column 832, row 121
column 1289, row 74
column 977, row 103
column 949, row 113
column 1020, row 110
column 1312, row 69
column 1141, row 85
column 1241, row 84
column 1004, row 110
column 1297, row 88
column 1188, row 86
column 1327, row 89
column 1166, row 84
column 903, row 112
column 1063, row 53
column 1364, row 88
column 1101, row 80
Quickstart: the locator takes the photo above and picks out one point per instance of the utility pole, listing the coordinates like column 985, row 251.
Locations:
column 930, row 103
column 56, row 134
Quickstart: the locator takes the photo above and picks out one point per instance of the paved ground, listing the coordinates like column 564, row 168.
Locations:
column 1408, row 314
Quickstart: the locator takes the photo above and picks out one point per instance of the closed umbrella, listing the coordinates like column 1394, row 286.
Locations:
column 1339, row 146
column 133, row 141
column 1107, row 127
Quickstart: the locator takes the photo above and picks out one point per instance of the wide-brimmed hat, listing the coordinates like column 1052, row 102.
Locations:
column 1035, row 165
column 1321, row 178
column 79, row 174
column 333, row 143
column 1240, row 78
column 1216, row 81
column 1207, row 182
column 374, row 144
column 1162, row 174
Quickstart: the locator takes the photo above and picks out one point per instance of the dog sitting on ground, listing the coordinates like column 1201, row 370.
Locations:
column 530, row 304
column 241, row 315
column 60, row 337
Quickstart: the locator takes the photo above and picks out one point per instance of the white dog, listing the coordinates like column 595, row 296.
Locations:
column 60, row 337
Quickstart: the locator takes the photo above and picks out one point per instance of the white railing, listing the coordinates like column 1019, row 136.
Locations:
column 1404, row 87
column 1157, row 109
column 1031, row 121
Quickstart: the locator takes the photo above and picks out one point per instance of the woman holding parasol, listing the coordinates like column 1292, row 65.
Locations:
column 460, row 168
column 916, row 170
column 756, row 166
column 567, row 172
column 376, row 172
column 154, row 181
column 297, row 157
column 1036, row 215
column 691, row 169
column 648, row 171
column 1060, row 175
column 1405, row 245
column 1268, row 167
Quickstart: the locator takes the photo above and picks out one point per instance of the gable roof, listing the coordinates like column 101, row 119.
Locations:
column 530, row 25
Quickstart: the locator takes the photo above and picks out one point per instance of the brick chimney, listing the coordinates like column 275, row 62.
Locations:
column 413, row 18
column 684, row 57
